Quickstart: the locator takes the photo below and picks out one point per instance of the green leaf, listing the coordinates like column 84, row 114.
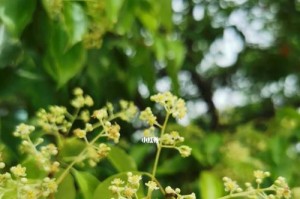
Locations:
column 278, row 147
column 103, row 191
column 172, row 166
column 60, row 63
column 125, row 23
column 33, row 169
column 165, row 12
column 87, row 183
column 210, row 185
column 139, row 153
column 176, row 55
column 71, row 147
column 112, row 9
column 148, row 19
column 160, row 49
column 176, row 52
column 66, row 189
column 121, row 160
column 76, row 22
column 16, row 14
column 10, row 48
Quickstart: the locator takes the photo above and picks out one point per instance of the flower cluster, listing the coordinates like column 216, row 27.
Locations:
column 23, row 130
column 96, row 153
column 54, row 120
column 128, row 110
column 148, row 117
column 58, row 123
column 175, row 193
column 42, row 154
column 57, row 119
column 172, row 139
column 80, row 101
column 126, row 190
column 54, row 8
column 231, row 186
column 172, row 104
column 278, row 190
column 17, row 185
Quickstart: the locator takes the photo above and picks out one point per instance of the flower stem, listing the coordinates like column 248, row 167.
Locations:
column 77, row 159
column 247, row 193
column 159, row 146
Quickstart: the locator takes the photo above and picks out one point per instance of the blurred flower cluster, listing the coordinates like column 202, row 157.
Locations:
column 58, row 123
column 14, row 183
column 278, row 190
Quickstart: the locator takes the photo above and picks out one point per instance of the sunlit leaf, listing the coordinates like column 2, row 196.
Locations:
column 66, row 188
column 60, row 63
column 87, row 183
column 112, row 9
column 121, row 160
column 210, row 185
column 76, row 22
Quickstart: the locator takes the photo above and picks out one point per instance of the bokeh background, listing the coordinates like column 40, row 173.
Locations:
column 235, row 62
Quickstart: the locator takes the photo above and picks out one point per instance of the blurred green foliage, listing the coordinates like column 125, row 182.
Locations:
column 131, row 49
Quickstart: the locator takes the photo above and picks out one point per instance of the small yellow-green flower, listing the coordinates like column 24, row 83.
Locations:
column 18, row 171
column 113, row 132
column 134, row 179
column 152, row 185
column 184, row 150
column 148, row 116
column 80, row 133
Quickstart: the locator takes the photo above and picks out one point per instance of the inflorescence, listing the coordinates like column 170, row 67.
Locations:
column 278, row 190
column 176, row 108
column 58, row 122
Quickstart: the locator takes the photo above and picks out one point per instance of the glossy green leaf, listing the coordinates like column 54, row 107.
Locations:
column 16, row 14
column 165, row 12
column 76, row 22
column 148, row 19
column 172, row 166
column 210, row 185
column 66, row 189
column 87, row 183
column 60, row 63
column 112, row 9
column 72, row 147
column 121, row 160
column 126, row 22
